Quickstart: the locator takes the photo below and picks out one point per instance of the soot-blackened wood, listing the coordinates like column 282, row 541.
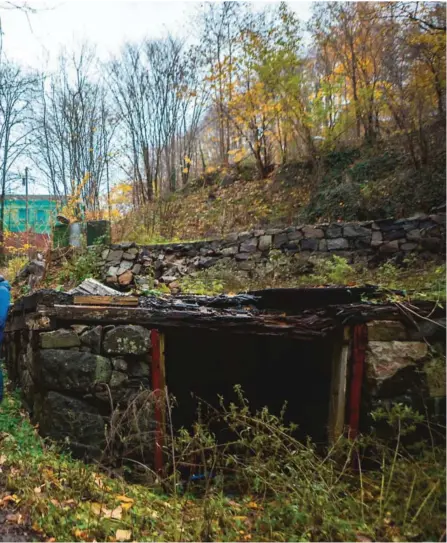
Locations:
column 47, row 297
column 126, row 301
column 306, row 328
column 294, row 299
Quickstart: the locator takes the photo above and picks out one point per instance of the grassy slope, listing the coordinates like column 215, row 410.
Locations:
column 215, row 211
column 354, row 184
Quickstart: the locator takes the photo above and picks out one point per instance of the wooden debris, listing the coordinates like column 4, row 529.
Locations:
column 131, row 301
column 92, row 287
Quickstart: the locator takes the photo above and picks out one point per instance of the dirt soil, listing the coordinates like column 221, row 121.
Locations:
column 14, row 526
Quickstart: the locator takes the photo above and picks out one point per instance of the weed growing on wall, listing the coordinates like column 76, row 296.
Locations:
column 414, row 279
column 75, row 270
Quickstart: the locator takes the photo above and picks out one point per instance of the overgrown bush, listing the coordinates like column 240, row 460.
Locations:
column 80, row 267
column 262, row 485
column 297, row 494
column 14, row 266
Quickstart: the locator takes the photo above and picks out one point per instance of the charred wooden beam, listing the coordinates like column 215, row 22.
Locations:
column 305, row 328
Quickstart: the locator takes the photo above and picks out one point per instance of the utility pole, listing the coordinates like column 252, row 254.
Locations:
column 25, row 182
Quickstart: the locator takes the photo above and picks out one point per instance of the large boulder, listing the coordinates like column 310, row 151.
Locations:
column 92, row 339
column 386, row 331
column 392, row 366
column 356, row 231
column 59, row 339
column 337, row 244
column 249, row 246
column 72, row 370
column 72, row 421
column 127, row 339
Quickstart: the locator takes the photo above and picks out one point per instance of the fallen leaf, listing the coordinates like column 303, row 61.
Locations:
column 82, row 534
column 362, row 538
column 253, row 505
column 98, row 480
column 124, row 499
column 116, row 513
column 10, row 498
column 2, row 459
column 99, row 509
column 123, row 535
column 15, row 518
column 36, row 528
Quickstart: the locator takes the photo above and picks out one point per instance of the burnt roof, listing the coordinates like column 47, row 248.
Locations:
column 311, row 313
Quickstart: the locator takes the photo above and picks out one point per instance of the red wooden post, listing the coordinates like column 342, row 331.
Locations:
column 359, row 343
column 158, row 388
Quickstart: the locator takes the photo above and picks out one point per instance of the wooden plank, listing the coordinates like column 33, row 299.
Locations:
column 338, row 393
column 235, row 322
column 359, row 344
column 128, row 301
column 158, row 387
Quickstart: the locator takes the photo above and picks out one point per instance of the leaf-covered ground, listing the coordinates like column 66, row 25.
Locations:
column 45, row 495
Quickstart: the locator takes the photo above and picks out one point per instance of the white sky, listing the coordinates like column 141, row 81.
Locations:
column 37, row 39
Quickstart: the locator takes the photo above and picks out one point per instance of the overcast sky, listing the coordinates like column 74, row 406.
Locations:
column 34, row 40
column 37, row 39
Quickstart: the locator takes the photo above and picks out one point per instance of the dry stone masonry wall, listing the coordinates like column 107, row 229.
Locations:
column 400, row 366
column 88, row 386
column 126, row 265
column 72, row 379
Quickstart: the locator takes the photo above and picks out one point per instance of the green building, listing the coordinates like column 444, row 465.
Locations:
column 42, row 211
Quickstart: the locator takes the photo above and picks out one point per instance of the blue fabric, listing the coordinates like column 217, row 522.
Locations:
column 5, row 300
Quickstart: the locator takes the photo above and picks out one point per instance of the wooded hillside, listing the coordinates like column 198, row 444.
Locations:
column 349, row 98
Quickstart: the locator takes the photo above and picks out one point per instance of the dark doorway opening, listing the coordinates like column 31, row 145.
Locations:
column 270, row 369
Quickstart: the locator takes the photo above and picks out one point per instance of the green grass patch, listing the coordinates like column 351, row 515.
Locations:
column 416, row 281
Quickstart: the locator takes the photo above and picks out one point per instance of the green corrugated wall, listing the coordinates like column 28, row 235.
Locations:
column 41, row 214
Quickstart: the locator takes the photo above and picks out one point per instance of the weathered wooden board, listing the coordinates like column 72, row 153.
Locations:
column 307, row 327
column 129, row 301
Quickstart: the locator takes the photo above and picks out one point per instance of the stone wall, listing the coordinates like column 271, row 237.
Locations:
column 73, row 379
column 79, row 381
column 401, row 366
column 125, row 265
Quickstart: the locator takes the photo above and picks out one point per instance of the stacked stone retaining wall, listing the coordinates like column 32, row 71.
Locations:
column 72, row 380
column 125, row 265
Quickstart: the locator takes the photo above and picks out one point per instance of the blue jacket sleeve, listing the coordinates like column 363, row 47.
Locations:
column 5, row 300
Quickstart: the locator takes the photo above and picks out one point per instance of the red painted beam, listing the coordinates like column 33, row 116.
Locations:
column 359, row 344
column 158, row 390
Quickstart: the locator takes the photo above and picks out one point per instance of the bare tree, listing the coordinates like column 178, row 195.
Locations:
column 74, row 127
column 17, row 90
column 160, row 96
